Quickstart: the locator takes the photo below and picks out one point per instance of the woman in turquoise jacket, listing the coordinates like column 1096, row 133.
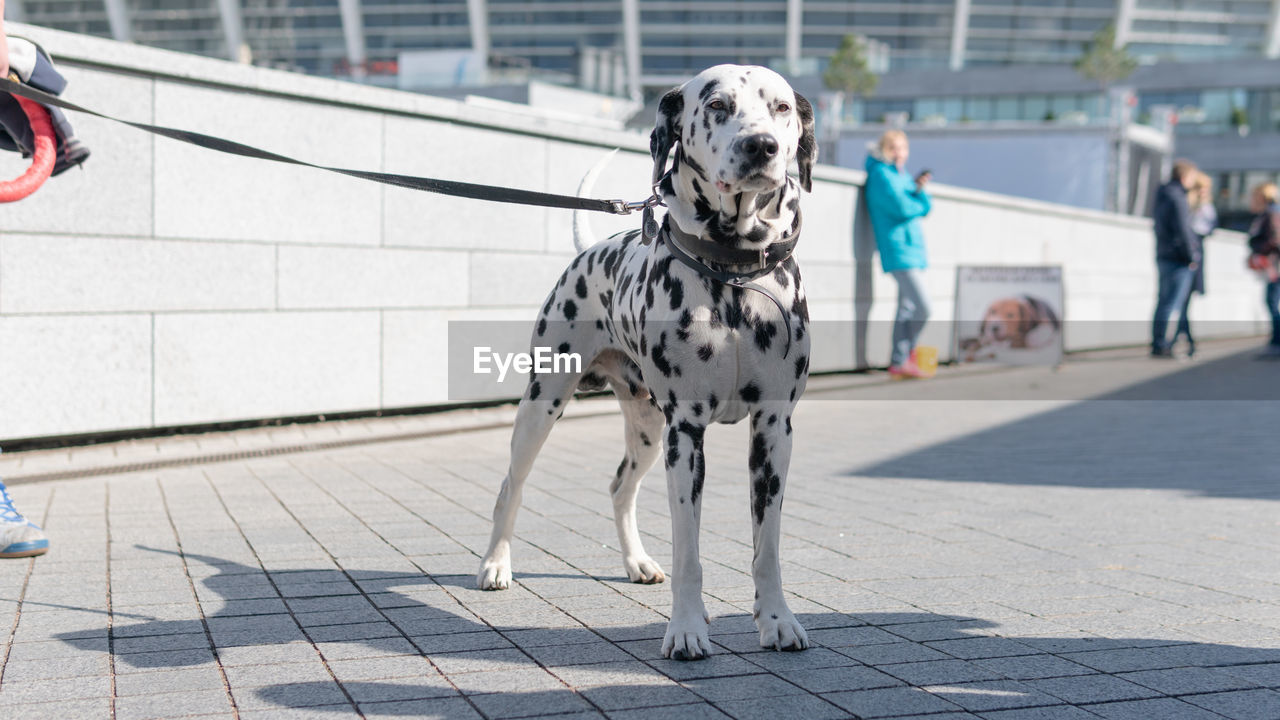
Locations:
column 896, row 202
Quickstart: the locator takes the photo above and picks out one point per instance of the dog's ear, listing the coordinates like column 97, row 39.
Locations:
column 807, row 150
column 666, row 131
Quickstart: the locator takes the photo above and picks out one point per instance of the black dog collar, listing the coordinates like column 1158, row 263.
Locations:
column 694, row 252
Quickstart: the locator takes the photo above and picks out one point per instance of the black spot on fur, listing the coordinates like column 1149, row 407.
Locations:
column 535, row 389
column 570, row 310
column 750, row 393
column 580, row 289
column 705, row 352
column 802, row 364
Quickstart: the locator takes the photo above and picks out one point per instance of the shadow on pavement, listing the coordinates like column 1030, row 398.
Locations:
column 495, row 660
column 1208, row 429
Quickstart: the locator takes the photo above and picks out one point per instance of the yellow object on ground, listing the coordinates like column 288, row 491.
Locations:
column 926, row 358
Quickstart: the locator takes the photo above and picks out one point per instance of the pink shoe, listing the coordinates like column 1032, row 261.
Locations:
column 907, row 371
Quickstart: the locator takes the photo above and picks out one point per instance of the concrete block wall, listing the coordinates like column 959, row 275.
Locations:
column 163, row 284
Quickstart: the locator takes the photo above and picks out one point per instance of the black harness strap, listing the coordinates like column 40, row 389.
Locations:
column 443, row 187
column 687, row 249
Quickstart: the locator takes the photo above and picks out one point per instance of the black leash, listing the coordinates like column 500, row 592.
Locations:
column 432, row 185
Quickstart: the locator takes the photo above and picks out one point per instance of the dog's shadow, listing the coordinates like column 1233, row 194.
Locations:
column 501, row 666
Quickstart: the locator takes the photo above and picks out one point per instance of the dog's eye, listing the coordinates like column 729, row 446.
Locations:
column 783, row 108
column 716, row 105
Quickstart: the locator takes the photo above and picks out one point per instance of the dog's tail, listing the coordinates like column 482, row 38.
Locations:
column 582, row 237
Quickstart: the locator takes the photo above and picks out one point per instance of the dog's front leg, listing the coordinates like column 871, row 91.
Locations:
column 686, row 637
column 770, row 456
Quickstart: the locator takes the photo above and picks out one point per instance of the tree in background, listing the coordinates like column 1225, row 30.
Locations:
column 1103, row 62
column 849, row 71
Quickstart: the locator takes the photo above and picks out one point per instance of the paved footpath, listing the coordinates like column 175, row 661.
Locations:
column 980, row 545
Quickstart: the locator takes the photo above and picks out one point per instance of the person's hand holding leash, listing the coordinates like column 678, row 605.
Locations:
column 4, row 45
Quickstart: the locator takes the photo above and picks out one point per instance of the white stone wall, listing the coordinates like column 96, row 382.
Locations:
column 167, row 285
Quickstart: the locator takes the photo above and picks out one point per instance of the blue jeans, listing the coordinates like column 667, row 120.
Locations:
column 1184, row 322
column 1175, row 284
column 1273, row 307
column 913, row 312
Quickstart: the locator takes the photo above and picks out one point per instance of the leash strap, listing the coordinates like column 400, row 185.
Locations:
column 738, row 280
column 432, row 185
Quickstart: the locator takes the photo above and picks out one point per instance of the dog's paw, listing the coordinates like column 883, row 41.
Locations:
column 687, row 639
column 494, row 575
column 781, row 631
column 643, row 570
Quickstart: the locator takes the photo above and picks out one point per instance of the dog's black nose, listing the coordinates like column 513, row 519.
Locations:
column 762, row 145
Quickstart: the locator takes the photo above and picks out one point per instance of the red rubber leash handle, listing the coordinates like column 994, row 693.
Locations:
column 42, row 159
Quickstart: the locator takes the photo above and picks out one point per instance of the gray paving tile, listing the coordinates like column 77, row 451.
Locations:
column 167, row 705
column 1032, row 667
column 205, row 677
column 809, row 707
column 1084, row 689
column 279, row 673
column 892, row 653
column 15, row 693
column 480, row 660
column 1153, row 708
column 321, row 712
column 528, row 704
column 399, row 689
column 451, row 708
column 1055, row 712
column 855, row 677
column 889, row 702
column 695, row 711
column 742, row 687
column 301, row 695
column 991, row 695
column 85, row 709
column 636, row 695
column 938, row 672
column 1187, row 681
column 392, row 666
column 1240, row 705
column 578, row 654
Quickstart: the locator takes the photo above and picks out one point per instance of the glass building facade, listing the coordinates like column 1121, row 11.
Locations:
column 672, row 38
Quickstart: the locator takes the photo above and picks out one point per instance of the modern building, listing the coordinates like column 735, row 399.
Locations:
column 952, row 63
column 1226, row 118
column 667, row 40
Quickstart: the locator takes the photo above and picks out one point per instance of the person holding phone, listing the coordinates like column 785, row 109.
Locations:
column 896, row 202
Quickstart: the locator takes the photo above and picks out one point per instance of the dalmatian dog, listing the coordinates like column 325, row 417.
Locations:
column 684, row 344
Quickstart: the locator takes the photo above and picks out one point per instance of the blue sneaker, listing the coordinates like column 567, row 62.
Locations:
column 19, row 537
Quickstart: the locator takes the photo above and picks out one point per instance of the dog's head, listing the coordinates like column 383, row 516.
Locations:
column 1019, row 322
column 737, row 128
column 1006, row 320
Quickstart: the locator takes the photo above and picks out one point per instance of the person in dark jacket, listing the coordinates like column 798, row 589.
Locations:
column 1264, row 246
column 1177, row 252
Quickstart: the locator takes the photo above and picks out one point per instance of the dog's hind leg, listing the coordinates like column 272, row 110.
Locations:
column 643, row 423
column 768, row 461
column 541, row 406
